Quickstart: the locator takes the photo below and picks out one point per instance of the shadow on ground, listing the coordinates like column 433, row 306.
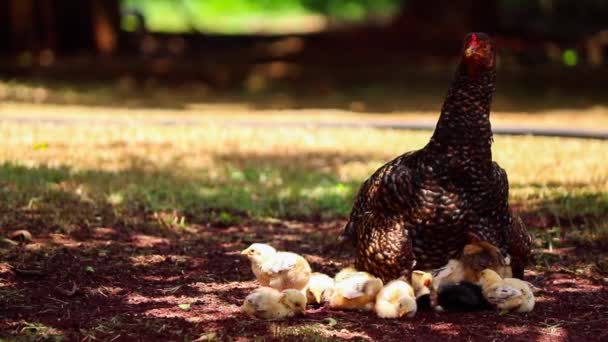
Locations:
column 96, row 271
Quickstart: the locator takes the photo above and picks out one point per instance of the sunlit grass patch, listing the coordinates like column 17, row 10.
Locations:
column 208, row 172
column 309, row 332
column 33, row 331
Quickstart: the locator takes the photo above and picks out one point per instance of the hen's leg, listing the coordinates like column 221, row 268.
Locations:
column 384, row 247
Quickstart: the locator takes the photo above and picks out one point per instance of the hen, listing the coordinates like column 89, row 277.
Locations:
column 416, row 211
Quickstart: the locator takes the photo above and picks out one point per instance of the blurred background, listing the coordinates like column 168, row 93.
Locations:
column 145, row 142
column 297, row 49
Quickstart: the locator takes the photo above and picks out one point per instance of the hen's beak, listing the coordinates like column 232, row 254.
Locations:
column 470, row 51
column 245, row 252
column 477, row 52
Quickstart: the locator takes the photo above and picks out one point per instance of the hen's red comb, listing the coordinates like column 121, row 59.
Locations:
column 473, row 38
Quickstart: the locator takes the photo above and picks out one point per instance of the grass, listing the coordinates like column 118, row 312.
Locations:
column 141, row 218
column 514, row 104
column 38, row 332
column 204, row 171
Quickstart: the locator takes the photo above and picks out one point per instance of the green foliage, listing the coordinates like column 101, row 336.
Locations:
column 258, row 192
column 30, row 331
column 244, row 16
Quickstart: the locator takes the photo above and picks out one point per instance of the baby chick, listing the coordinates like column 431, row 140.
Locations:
column 479, row 255
column 345, row 273
column 320, row 287
column 279, row 270
column 508, row 294
column 396, row 299
column 355, row 291
column 269, row 303
column 476, row 256
column 422, row 282
column 461, row 297
column 451, row 273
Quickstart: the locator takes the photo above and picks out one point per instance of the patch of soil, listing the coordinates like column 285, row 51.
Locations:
column 148, row 282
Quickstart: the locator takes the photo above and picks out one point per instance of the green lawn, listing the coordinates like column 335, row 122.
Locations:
column 136, row 225
column 204, row 171
column 252, row 16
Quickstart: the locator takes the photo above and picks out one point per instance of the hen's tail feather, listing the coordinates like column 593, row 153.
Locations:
column 348, row 234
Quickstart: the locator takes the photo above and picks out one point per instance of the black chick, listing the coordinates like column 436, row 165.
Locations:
column 462, row 297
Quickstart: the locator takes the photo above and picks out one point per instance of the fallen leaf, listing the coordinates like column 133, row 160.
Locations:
column 331, row 321
column 9, row 242
column 21, row 235
column 68, row 293
column 185, row 306
column 41, row 146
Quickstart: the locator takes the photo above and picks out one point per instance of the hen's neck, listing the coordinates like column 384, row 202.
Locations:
column 463, row 131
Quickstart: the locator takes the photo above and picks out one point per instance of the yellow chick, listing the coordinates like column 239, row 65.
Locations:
column 479, row 255
column 279, row 270
column 508, row 294
column 320, row 288
column 355, row 291
column 269, row 303
column 345, row 273
column 453, row 272
column 422, row 282
column 396, row 299
column 476, row 256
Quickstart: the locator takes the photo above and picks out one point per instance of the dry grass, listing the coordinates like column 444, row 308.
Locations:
column 127, row 197
column 279, row 172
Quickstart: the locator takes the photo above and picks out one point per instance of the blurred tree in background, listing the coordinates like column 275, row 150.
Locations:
column 69, row 27
column 60, row 25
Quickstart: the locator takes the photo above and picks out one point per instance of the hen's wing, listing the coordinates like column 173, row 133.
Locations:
column 520, row 246
column 384, row 247
column 389, row 189
column 515, row 234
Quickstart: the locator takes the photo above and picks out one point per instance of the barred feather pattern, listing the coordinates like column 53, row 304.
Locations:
column 416, row 211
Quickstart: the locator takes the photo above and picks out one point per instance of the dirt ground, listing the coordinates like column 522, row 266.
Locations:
column 147, row 281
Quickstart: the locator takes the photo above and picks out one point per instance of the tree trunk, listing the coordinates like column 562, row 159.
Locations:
column 88, row 25
column 22, row 19
column 47, row 27
column 106, row 25
column 5, row 29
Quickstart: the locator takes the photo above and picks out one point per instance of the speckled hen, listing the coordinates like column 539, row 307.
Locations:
column 416, row 211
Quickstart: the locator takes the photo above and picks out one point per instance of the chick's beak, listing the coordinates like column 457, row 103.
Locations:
column 318, row 297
